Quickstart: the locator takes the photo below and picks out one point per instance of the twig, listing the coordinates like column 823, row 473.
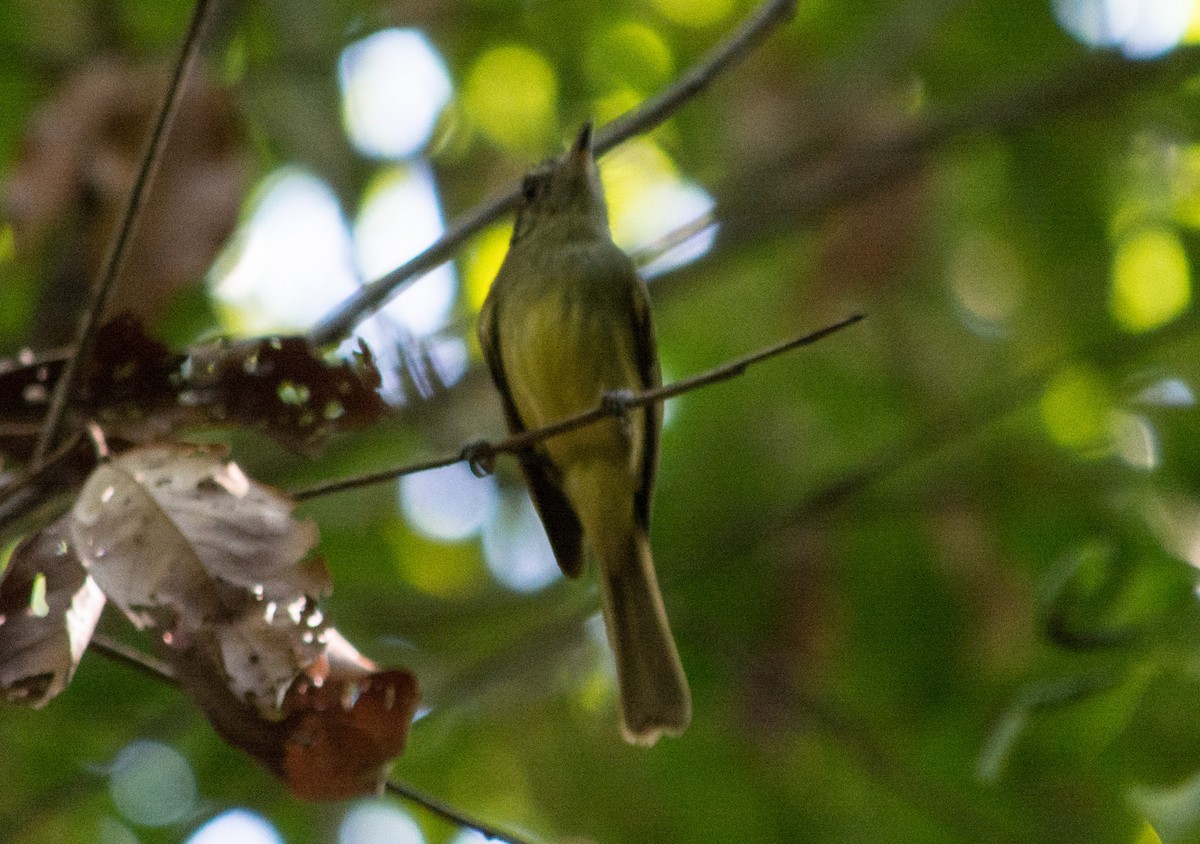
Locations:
column 879, row 163
column 483, row 451
column 130, row 656
column 638, row 120
column 89, row 322
column 448, row 812
column 148, row 665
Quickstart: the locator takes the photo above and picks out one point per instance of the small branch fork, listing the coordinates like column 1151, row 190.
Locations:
column 481, row 454
column 635, row 122
column 90, row 320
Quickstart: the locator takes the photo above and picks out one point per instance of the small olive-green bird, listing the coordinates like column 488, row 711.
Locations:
column 565, row 324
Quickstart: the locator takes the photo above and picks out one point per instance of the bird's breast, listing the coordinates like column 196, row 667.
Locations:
column 562, row 352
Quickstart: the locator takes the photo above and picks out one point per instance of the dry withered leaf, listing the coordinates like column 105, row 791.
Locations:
column 284, row 387
column 183, row 542
column 49, row 607
column 340, row 725
column 140, row 391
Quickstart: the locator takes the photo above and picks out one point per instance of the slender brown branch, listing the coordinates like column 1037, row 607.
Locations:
column 482, row 452
column 130, row 656
column 157, row 669
column 807, row 192
column 448, row 812
column 119, row 249
column 641, row 119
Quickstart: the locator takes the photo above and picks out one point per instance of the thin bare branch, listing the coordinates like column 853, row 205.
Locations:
column 637, row 121
column 130, row 656
column 448, row 812
column 120, row 652
column 65, row 388
column 879, row 163
column 482, row 452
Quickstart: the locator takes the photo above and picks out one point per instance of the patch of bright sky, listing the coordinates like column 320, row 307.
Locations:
column 400, row 216
column 394, row 85
column 236, row 826
column 448, row 504
column 1168, row 392
column 515, row 546
column 648, row 199
column 292, row 259
column 376, row 822
column 1142, row 29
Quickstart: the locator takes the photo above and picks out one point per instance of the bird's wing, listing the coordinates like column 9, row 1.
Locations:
column 651, row 375
column 558, row 517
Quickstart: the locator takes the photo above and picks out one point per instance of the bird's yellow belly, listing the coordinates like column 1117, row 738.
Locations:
column 560, row 361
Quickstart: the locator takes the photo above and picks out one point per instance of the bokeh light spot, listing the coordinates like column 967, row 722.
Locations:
column 448, row 504
column 695, row 13
column 291, row 260
column 482, row 261
column 112, row 831
column 400, row 216
column 510, row 95
column 1076, row 411
column 986, row 281
column 1151, row 282
column 1168, row 392
column 1136, row 440
column 1142, row 29
column 236, row 826
column 152, row 784
column 374, row 822
column 629, row 55
column 515, row 546
column 394, row 85
column 647, row 200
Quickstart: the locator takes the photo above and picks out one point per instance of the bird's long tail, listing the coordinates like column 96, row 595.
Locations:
column 655, row 699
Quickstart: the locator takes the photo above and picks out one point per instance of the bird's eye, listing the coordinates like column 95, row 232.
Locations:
column 530, row 188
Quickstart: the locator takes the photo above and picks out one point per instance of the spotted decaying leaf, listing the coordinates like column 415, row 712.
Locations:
column 49, row 607
column 339, row 726
column 183, row 542
column 186, row 545
column 140, row 391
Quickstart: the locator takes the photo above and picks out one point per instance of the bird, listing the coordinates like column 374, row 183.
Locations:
column 566, row 325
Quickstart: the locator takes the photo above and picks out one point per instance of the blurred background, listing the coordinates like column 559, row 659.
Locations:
column 932, row 579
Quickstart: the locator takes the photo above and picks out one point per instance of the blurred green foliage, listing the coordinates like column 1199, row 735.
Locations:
column 932, row 580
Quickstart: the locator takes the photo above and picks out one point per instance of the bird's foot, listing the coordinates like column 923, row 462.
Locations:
column 480, row 457
column 617, row 402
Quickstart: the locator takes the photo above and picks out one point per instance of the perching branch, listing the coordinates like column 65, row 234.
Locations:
column 90, row 320
column 132, row 658
column 478, row 454
column 637, row 121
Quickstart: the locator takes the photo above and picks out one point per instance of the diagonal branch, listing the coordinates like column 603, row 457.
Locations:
column 89, row 322
column 481, row 453
column 637, row 121
column 135, row 659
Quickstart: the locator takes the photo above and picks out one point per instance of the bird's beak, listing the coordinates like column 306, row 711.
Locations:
column 581, row 151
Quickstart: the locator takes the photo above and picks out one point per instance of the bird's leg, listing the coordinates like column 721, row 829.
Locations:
column 481, row 457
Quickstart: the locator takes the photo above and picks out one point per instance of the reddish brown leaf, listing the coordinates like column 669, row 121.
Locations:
column 139, row 391
column 49, row 607
column 337, row 732
column 282, row 386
